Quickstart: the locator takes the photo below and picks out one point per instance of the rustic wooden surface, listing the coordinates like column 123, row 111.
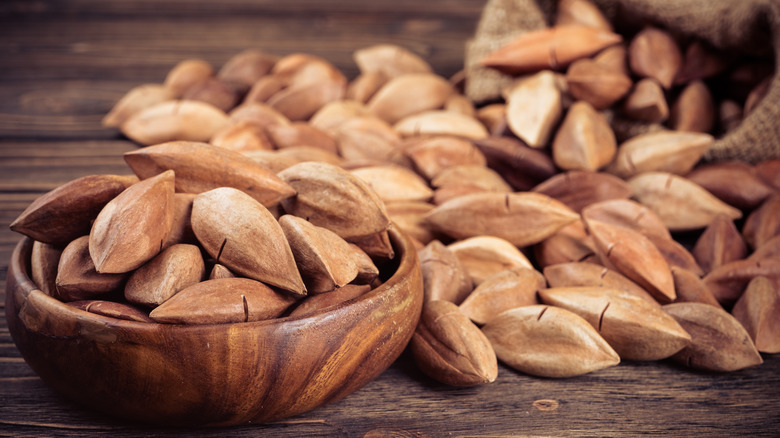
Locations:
column 64, row 63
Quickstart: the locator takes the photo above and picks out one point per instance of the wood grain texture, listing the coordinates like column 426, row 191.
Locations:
column 64, row 63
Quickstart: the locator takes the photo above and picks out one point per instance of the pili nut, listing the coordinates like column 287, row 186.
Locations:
column 675, row 253
column 303, row 68
column 580, row 12
column 635, row 256
column 498, row 214
column 241, row 137
column 441, row 122
column 132, row 227
column 220, row 271
column 720, row 243
column 459, row 103
column 614, row 58
column 584, row 141
column 390, row 59
column 394, row 183
column 682, row 204
column 690, row 288
column 504, row 290
column 258, row 113
column 112, row 309
column 548, row 341
column 654, row 53
column 369, row 138
column 331, row 197
column 333, row 114
column 758, row 310
column 597, row 84
column 181, row 227
column 728, row 281
column 533, row 108
column 729, row 115
column 694, row 109
column 493, row 116
column 214, row 92
column 633, row 327
column 365, row 85
column 474, row 175
column 171, row 120
column 226, row 300
column 409, row 216
column 187, row 73
column 763, row 223
column 549, row 48
column 300, row 102
column 135, row 100
column 243, row 69
column 201, row 167
column 300, row 134
column 367, row 270
column 665, row 151
column 718, row 340
column 376, row 245
column 700, row 62
column 299, row 154
column 432, row 155
column 769, row 172
column 264, row 88
column 629, row 214
column 579, row 188
column 44, row 258
column 646, row 102
column 409, row 94
column 757, row 94
column 483, row 256
column 175, row 268
column 521, row 166
column 444, row 194
column 576, row 274
column 77, row 278
column 718, row 179
column 769, row 249
column 458, row 80
column 324, row 259
column 444, row 275
column 274, row 161
column 320, row 302
column 240, row 233
column 67, row 212
column 449, row 348
column 569, row 244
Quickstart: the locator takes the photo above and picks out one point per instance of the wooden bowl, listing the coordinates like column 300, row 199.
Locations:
column 220, row 374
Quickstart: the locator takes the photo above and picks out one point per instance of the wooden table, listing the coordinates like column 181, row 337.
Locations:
column 64, row 64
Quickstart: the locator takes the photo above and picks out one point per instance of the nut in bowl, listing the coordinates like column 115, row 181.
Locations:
column 261, row 350
column 213, row 374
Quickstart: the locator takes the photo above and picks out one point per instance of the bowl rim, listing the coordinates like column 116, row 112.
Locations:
column 19, row 266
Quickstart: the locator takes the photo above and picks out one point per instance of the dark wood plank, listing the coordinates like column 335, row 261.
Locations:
column 79, row 48
column 31, row 166
column 64, row 64
column 179, row 8
column 626, row 400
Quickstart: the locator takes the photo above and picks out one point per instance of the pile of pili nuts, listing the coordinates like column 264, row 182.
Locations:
column 544, row 241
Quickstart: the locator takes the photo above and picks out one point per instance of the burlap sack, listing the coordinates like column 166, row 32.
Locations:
column 746, row 26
